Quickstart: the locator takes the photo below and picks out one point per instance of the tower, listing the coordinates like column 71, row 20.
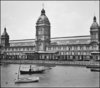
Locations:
column 5, row 39
column 94, row 31
column 42, row 32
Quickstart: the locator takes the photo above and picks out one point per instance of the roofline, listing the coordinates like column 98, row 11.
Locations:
column 53, row 38
column 71, row 36
column 22, row 39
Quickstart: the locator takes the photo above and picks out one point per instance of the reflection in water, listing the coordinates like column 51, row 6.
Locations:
column 58, row 76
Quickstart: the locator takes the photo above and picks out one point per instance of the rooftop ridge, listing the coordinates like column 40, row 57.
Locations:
column 21, row 39
column 52, row 38
column 71, row 36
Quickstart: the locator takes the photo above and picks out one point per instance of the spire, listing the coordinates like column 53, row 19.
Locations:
column 43, row 5
column 42, row 11
column 94, row 19
column 5, row 29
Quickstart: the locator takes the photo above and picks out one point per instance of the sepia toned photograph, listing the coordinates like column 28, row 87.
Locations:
column 50, row 44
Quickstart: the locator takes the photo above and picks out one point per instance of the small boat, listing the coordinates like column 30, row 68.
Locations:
column 95, row 70
column 27, row 80
column 32, row 70
column 93, row 66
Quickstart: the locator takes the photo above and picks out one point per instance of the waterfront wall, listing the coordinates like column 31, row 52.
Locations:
column 43, row 62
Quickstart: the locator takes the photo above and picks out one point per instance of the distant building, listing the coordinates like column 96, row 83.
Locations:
column 59, row 48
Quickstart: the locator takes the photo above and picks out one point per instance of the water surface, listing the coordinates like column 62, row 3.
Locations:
column 58, row 76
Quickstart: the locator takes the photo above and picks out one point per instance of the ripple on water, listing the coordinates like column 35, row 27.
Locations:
column 62, row 76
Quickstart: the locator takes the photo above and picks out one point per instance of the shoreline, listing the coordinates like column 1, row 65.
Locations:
column 46, row 62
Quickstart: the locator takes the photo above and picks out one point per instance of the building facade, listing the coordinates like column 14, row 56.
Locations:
column 47, row 48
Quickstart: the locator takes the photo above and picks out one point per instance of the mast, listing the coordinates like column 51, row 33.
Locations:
column 19, row 69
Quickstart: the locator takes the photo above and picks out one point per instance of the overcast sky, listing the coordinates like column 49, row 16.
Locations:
column 67, row 18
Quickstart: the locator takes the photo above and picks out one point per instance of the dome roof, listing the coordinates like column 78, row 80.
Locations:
column 94, row 24
column 43, row 19
column 5, row 34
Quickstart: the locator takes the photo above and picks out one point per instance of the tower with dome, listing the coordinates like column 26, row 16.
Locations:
column 5, row 38
column 42, row 32
column 94, row 31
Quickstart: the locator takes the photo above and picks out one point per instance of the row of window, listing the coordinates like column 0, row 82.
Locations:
column 20, row 49
column 75, row 53
column 58, row 48
column 21, row 54
column 72, row 48
column 60, row 53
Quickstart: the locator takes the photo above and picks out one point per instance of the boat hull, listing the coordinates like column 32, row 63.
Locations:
column 93, row 66
column 26, row 80
column 31, row 72
column 18, row 81
column 95, row 70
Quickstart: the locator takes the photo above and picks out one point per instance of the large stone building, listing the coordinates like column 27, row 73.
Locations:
column 59, row 48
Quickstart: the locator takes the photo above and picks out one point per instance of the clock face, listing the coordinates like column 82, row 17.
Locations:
column 40, row 31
